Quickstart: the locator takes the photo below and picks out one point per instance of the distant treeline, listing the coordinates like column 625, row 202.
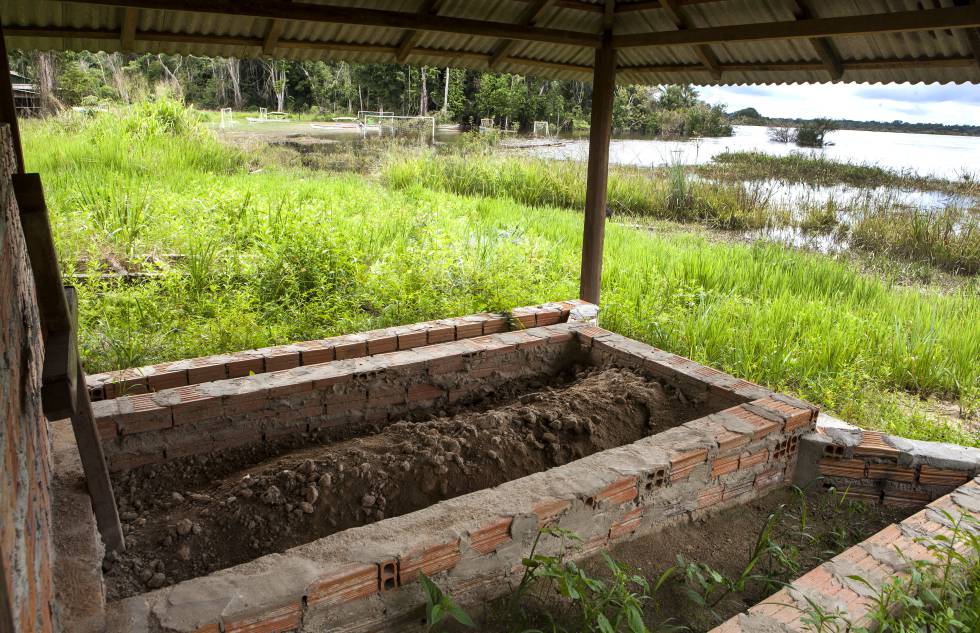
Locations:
column 751, row 116
column 323, row 88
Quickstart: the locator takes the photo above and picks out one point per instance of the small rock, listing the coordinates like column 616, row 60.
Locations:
column 550, row 438
column 312, row 494
column 177, row 497
column 158, row 565
column 308, row 467
column 245, row 493
column 145, row 575
column 196, row 529
column 184, row 551
column 368, row 500
column 325, row 481
column 128, row 516
column 184, row 527
column 272, row 496
column 167, row 541
column 307, row 508
column 156, row 581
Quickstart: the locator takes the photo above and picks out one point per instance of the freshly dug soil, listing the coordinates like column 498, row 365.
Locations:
column 724, row 541
column 310, row 492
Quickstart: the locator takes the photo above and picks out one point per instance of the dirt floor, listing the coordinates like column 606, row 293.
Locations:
column 207, row 514
column 805, row 531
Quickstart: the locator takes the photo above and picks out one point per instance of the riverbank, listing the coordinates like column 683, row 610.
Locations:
column 270, row 254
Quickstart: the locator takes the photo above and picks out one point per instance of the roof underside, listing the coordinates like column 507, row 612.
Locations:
column 701, row 42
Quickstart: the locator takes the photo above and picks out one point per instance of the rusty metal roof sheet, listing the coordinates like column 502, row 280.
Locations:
column 704, row 42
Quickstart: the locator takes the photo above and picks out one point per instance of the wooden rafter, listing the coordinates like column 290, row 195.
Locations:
column 972, row 35
column 411, row 38
column 682, row 23
column 231, row 40
column 234, row 40
column 272, row 34
column 330, row 14
column 823, row 47
column 530, row 13
column 867, row 24
column 127, row 35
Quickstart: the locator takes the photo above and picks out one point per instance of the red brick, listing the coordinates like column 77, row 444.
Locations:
column 748, row 460
column 626, row 525
column 279, row 358
column 441, row 333
column 494, row 324
column 681, row 459
column 422, row 392
column 724, row 465
column 138, row 414
column 850, row 468
column 890, row 472
column 906, row 498
column 942, row 476
column 388, row 575
column 873, row 444
column 769, row 477
column 276, row 620
column 349, row 347
column 382, row 344
column 548, row 316
column 710, row 496
column 344, row 584
column 467, row 327
column 491, row 536
column 795, row 417
column 548, row 510
column 737, row 490
column 386, row 397
column 166, row 378
column 206, row 370
column 410, row 338
column 762, row 426
column 430, row 561
column 616, row 493
column 106, row 427
column 245, row 364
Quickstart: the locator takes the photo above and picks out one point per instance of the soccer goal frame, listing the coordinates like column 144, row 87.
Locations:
column 541, row 128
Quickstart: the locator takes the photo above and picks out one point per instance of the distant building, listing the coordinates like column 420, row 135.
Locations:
column 27, row 100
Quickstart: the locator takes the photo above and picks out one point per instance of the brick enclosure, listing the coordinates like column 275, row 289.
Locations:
column 365, row 578
column 877, row 560
column 26, row 604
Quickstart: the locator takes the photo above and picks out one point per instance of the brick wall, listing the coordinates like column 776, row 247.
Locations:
column 25, row 507
column 365, row 578
column 139, row 380
column 878, row 560
column 880, row 468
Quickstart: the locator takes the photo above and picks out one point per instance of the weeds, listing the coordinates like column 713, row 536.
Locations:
column 440, row 607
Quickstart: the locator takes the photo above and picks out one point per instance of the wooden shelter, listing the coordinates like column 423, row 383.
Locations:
column 700, row 42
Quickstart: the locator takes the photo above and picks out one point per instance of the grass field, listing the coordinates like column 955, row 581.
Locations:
column 276, row 254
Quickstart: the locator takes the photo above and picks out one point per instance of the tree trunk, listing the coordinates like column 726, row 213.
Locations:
column 44, row 62
column 114, row 61
column 445, row 95
column 234, row 75
column 424, row 97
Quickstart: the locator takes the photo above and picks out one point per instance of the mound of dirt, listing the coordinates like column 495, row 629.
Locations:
column 310, row 492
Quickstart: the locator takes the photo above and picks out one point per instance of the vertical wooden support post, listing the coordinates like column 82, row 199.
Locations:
column 8, row 111
column 603, row 91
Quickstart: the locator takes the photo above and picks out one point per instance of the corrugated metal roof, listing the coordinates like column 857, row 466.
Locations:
column 238, row 29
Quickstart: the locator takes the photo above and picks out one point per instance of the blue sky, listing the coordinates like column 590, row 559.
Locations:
column 915, row 103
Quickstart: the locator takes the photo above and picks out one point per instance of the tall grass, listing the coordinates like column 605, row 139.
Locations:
column 814, row 169
column 288, row 254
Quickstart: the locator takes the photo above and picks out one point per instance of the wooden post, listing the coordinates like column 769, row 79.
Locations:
column 603, row 90
column 8, row 111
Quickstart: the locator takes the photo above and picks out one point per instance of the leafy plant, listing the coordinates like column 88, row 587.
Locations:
column 439, row 607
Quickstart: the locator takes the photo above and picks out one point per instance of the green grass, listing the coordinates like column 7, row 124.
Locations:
column 286, row 254
column 807, row 168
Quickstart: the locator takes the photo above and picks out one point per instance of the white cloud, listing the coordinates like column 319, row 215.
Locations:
column 915, row 103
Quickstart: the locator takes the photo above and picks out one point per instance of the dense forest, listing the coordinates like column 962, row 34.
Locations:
column 339, row 88
column 751, row 116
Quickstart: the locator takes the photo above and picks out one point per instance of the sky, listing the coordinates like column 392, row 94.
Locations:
column 914, row 103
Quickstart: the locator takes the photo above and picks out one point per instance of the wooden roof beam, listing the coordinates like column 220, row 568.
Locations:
column 411, row 38
column 530, row 13
column 856, row 64
column 897, row 22
column 703, row 51
column 127, row 35
column 256, row 42
column 823, row 47
column 272, row 34
column 330, row 14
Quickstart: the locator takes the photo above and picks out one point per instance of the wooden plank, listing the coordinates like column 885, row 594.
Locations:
column 163, row 36
column 127, row 37
column 411, row 38
column 324, row 13
column 530, row 13
column 822, row 46
column 92, row 457
column 855, row 64
column 8, row 112
column 603, row 91
column 271, row 38
column 703, row 51
column 60, row 354
column 866, row 24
